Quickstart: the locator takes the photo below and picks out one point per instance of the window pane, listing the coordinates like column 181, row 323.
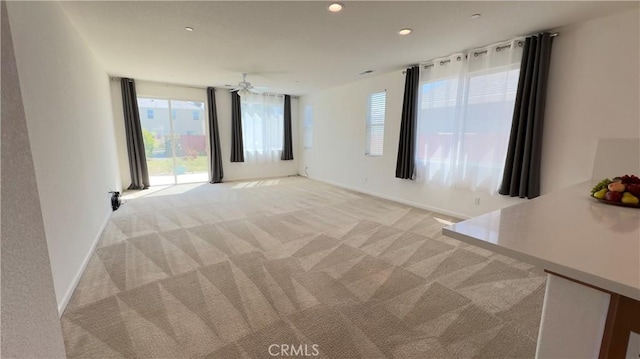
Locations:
column 190, row 142
column 375, row 123
column 176, row 146
column 262, row 125
column 308, row 127
column 487, row 124
column 437, row 123
column 156, row 133
column 464, row 125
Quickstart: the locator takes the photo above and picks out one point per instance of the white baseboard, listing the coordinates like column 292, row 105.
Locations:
column 395, row 199
column 67, row 296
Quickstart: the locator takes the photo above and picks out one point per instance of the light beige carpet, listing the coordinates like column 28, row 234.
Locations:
column 230, row 270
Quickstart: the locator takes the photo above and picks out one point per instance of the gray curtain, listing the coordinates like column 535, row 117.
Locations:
column 237, row 146
column 405, row 165
column 521, row 175
column 135, row 144
column 214, row 138
column 287, row 144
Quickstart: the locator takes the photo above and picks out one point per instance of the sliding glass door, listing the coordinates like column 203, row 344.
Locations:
column 175, row 140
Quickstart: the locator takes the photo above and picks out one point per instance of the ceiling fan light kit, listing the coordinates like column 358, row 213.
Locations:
column 245, row 88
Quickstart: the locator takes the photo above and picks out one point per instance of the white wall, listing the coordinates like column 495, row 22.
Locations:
column 593, row 93
column 68, row 111
column 232, row 171
column 30, row 324
column 338, row 150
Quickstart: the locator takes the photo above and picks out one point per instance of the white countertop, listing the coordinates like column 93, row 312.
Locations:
column 566, row 232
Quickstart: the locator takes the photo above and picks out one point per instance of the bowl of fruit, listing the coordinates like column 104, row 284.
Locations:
column 619, row 191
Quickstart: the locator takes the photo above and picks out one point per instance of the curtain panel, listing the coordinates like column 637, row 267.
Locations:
column 237, row 147
column 466, row 104
column 521, row 175
column 133, row 129
column 405, row 163
column 214, row 138
column 287, row 145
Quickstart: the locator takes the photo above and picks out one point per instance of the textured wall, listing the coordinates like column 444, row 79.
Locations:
column 65, row 91
column 30, row 325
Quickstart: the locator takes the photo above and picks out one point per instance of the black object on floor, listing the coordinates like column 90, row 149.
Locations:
column 115, row 200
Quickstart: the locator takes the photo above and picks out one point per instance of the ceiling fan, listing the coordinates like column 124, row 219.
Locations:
column 245, row 88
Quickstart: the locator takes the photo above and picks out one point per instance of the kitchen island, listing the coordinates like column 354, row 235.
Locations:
column 591, row 253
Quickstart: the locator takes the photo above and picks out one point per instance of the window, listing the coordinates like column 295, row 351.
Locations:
column 464, row 118
column 262, row 126
column 196, row 115
column 307, row 138
column 375, row 123
column 175, row 147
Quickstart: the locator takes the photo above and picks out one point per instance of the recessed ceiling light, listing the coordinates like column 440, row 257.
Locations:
column 475, row 16
column 188, row 28
column 406, row 31
column 336, row 7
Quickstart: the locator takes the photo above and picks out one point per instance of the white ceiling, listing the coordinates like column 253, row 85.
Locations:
column 300, row 47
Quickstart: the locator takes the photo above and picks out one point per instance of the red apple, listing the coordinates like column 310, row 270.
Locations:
column 634, row 189
column 613, row 196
